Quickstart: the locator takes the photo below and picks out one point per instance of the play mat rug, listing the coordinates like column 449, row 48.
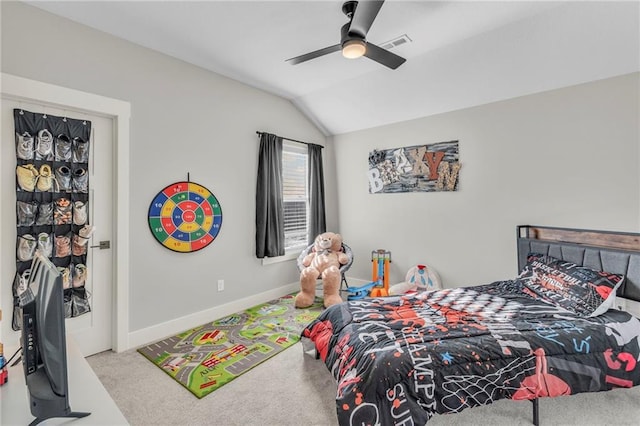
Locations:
column 209, row 356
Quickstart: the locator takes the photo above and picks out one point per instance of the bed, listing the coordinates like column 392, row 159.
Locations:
column 553, row 330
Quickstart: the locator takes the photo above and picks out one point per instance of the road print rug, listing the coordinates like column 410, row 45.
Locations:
column 209, row 356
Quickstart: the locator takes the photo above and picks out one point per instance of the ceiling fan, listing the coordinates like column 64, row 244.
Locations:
column 353, row 37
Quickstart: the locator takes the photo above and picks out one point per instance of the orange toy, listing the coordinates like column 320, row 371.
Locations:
column 381, row 259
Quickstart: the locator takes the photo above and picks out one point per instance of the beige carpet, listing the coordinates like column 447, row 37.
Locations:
column 294, row 389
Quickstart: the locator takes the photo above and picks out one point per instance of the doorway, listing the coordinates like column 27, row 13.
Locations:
column 106, row 326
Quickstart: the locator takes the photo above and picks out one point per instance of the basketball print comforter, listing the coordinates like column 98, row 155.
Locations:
column 400, row 360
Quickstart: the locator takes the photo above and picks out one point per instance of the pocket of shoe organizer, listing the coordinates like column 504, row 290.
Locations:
column 66, row 276
column 16, row 323
column 79, row 275
column 67, row 294
column 45, row 178
column 44, row 145
column 62, row 246
column 78, row 245
column 80, row 150
column 27, row 176
column 24, row 146
column 79, row 212
column 26, row 213
column 79, row 302
column 45, row 214
column 45, row 244
column 63, row 148
column 21, row 282
column 80, row 180
column 62, row 212
column 26, row 249
column 63, row 176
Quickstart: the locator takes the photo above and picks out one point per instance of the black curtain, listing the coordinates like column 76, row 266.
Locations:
column 269, row 204
column 317, row 220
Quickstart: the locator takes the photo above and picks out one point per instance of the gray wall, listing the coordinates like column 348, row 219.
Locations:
column 567, row 157
column 184, row 119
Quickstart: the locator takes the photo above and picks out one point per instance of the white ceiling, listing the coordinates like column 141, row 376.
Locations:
column 462, row 53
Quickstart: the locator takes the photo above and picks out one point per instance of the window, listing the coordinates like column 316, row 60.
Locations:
column 289, row 197
column 295, row 194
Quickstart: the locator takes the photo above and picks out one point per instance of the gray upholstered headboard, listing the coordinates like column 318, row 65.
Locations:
column 616, row 252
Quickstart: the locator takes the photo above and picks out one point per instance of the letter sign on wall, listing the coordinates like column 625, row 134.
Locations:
column 422, row 168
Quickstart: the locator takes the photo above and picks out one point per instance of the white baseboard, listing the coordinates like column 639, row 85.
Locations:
column 151, row 334
column 356, row 282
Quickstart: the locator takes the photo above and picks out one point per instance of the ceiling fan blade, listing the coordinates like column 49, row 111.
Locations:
column 314, row 54
column 364, row 15
column 383, row 56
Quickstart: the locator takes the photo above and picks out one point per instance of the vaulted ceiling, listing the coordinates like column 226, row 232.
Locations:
column 460, row 54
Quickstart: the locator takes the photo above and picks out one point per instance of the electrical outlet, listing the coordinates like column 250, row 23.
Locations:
column 220, row 285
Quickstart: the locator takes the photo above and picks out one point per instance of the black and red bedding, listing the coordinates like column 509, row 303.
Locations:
column 400, row 360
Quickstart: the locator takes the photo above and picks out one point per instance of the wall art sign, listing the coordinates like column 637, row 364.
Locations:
column 185, row 217
column 420, row 168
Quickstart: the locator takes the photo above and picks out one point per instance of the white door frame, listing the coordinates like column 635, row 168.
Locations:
column 24, row 89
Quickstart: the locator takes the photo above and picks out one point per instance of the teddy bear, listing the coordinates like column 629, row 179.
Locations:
column 324, row 262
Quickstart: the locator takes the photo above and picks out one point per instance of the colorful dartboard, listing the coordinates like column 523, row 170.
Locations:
column 185, row 217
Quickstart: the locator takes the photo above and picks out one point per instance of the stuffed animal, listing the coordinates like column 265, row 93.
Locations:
column 419, row 278
column 323, row 262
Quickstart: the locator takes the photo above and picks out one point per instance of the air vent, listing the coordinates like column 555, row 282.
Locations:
column 396, row 42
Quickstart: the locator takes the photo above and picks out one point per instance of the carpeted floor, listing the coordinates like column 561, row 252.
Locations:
column 293, row 388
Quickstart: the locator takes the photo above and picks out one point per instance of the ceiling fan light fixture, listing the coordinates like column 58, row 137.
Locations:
column 353, row 37
column 354, row 49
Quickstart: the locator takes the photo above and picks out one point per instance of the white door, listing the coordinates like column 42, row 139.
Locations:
column 92, row 332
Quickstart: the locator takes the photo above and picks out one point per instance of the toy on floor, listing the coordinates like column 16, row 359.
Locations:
column 419, row 278
column 324, row 263
column 380, row 260
column 379, row 286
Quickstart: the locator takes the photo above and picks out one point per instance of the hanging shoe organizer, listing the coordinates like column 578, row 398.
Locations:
column 52, row 203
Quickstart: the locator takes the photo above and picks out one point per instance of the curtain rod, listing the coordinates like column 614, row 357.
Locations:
column 292, row 140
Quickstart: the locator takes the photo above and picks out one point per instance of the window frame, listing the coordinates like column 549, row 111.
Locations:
column 298, row 149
